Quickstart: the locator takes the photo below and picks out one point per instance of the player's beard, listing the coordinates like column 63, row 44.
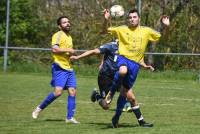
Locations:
column 66, row 29
column 133, row 24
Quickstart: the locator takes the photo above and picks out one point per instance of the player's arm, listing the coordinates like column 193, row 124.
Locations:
column 143, row 64
column 156, row 34
column 163, row 23
column 101, row 63
column 86, row 54
column 56, row 41
column 57, row 49
column 106, row 21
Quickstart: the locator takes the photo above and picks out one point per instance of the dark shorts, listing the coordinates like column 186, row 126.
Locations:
column 133, row 69
column 105, row 83
column 62, row 78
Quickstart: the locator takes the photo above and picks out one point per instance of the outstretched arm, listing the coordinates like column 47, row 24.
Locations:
column 106, row 21
column 56, row 49
column 85, row 54
column 101, row 63
column 164, row 22
column 143, row 64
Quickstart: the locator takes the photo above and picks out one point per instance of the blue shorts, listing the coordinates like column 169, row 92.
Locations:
column 62, row 78
column 133, row 69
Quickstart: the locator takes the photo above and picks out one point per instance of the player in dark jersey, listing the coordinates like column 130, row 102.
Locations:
column 107, row 70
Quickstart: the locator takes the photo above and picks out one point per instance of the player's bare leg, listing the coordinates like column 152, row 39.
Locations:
column 136, row 109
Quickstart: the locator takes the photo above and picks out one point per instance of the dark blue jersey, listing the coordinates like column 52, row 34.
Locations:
column 109, row 50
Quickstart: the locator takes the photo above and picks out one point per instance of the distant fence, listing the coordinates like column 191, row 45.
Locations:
column 147, row 53
column 48, row 49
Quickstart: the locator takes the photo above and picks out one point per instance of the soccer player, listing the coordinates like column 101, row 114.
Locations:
column 107, row 69
column 63, row 76
column 133, row 40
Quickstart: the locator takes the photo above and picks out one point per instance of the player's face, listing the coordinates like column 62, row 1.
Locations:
column 65, row 24
column 133, row 19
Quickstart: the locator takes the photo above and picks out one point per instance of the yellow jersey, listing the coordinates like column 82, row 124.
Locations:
column 62, row 40
column 133, row 41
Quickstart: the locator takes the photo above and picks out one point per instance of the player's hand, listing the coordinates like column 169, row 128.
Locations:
column 106, row 14
column 165, row 20
column 150, row 67
column 73, row 57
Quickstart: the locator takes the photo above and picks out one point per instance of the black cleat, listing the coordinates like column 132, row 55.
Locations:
column 145, row 124
column 93, row 95
column 115, row 122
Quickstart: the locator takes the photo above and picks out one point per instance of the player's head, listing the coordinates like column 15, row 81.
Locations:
column 64, row 23
column 133, row 18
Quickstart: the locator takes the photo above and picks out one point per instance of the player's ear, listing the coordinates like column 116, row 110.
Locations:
column 139, row 20
column 59, row 26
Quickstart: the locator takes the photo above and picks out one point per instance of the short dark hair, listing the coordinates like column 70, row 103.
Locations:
column 59, row 19
column 133, row 11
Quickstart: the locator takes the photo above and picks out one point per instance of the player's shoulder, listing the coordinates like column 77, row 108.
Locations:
column 146, row 28
column 119, row 27
column 58, row 33
column 123, row 27
column 109, row 46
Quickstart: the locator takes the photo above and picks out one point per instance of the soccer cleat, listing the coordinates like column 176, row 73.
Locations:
column 36, row 112
column 129, row 109
column 115, row 122
column 108, row 98
column 93, row 95
column 72, row 120
column 124, row 109
column 145, row 124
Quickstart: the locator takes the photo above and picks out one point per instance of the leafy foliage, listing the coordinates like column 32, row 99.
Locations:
column 32, row 23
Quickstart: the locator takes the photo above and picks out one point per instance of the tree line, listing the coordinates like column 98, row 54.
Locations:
column 32, row 23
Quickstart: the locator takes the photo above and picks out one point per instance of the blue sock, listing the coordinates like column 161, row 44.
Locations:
column 50, row 98
column 71, row 108
column 121, row 101
column 116, row 83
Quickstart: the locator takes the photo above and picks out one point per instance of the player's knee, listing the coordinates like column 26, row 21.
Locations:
column 72, row 91
column 123, row 71
column 58, row 92
column 131, row 98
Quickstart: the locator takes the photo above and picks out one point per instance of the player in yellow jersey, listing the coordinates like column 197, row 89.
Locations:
column 133, row 40
column 63, row 76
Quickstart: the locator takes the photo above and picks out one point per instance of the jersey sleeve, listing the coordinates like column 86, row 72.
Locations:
column 56, row 38
column 105, row 48
column 113, row 31
column 154, row 35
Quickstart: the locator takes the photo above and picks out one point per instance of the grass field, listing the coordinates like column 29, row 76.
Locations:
column 173, row 105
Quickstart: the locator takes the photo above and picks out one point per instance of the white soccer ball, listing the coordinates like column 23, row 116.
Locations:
column 117, row 11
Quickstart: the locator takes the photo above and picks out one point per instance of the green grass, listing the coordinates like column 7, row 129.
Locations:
column 173, row 105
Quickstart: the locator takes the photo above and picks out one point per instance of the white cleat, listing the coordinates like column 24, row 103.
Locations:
column 36, row 112
column 72, row 120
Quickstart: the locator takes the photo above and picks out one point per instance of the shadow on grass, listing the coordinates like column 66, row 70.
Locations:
column 109, row 125
column 54, row 120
